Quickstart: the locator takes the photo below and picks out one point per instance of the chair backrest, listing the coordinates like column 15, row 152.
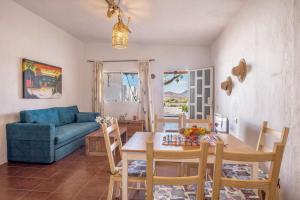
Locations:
column 207, row 123
column 269, row 185
column 112, row 146
column 269, row 133
column 199, row 179
column 173, row 120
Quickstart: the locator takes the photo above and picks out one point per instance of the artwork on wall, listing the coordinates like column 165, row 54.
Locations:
column 41, row 81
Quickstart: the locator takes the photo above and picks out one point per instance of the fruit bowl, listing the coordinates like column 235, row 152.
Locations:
column 193, row 131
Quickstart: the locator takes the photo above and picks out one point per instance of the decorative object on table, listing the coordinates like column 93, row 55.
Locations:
column 101, row 120
column 123, row 117
column 227, row 85
column 134, row 117
column 220, row 123
column 120, row 30
column 240, row 71
column 182, row 140
column 41, row 81
column 193, row 131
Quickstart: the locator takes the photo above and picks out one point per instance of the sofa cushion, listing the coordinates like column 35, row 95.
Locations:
column 86, row 116
column 67, row 115
column 65, row 134
column 41, row 116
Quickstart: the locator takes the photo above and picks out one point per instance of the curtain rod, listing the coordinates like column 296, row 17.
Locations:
column 108, row 61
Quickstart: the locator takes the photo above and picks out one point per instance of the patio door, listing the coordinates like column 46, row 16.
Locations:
column 201, row 93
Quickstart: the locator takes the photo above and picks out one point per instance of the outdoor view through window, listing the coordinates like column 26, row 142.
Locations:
column 176, row 93
column 121, row 87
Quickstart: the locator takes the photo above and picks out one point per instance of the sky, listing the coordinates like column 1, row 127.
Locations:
column 175, row 87
column 133, row 80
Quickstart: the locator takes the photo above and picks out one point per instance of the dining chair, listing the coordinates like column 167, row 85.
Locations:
column 266, row 140
column 136, row 168
column 244, row 188
column 206, row 123
column 173, row 187
column 187, row 123
column 171, row 120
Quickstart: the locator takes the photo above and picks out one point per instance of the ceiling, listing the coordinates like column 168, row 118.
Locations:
column 180, row 22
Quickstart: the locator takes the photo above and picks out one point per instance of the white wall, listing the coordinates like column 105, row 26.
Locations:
column 25, row 35
column 263, row 34
column 166, row 58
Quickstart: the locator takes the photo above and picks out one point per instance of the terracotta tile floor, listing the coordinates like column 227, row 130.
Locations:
column 76, row 177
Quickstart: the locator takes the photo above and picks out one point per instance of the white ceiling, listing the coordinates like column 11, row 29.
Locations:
column 186, row 22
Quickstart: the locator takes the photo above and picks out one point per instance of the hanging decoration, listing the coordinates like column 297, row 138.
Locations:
column 120, row 32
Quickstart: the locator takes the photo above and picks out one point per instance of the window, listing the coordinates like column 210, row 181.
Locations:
column 121, row 87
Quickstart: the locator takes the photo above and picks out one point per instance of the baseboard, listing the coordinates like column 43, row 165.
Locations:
column 3, row 161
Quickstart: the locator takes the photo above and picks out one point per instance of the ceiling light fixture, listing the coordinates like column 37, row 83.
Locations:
column 120, row 32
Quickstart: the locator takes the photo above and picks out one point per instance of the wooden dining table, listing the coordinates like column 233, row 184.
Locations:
column 135, row 149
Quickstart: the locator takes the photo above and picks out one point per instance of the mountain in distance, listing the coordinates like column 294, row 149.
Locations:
column 174, row 95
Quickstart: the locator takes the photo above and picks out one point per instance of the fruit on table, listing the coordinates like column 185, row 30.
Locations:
column 193, row 131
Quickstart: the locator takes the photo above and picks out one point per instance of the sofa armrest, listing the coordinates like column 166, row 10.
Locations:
column 87, row 116
column 30, row 142
column 30, row 131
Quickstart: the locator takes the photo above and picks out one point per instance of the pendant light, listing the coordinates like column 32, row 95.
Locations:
column 120, row 34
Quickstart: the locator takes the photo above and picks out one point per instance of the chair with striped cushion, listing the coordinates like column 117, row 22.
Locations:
column 162, row 187
column 269, row 185
column 267, row 137
column 136, row 168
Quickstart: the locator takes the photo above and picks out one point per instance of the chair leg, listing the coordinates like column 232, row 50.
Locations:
column 118, row 190
column 110, row 188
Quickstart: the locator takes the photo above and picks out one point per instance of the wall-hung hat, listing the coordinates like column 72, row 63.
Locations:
column 227, row 85
column 240, row 71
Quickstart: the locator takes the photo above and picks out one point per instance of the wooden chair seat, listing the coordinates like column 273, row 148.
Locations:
column 163, row 192
column 230, row 192
column 243, row 171
column 136, row 168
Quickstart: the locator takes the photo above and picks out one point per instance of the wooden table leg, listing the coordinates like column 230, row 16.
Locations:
column 124, row 176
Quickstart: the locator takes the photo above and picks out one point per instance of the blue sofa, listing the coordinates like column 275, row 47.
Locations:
column 48, row 135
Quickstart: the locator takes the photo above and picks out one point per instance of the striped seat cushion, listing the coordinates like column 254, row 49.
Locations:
column 136, row 168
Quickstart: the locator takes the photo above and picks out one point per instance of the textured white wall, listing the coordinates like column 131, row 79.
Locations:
column 167, row 57
column 26, row 35
column 263, row 34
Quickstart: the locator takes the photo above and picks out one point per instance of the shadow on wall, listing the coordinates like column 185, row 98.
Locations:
column 4, row 119
column 251, row 133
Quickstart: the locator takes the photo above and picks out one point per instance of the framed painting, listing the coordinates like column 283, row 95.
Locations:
column 41, row 81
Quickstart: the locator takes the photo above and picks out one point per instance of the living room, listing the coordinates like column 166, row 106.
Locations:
column 74, row 40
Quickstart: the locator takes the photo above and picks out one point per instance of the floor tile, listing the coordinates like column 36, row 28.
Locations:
column 10, row 194
column 35, row 195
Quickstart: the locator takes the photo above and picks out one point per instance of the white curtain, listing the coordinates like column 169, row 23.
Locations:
column 145, row 106
column 98, row 85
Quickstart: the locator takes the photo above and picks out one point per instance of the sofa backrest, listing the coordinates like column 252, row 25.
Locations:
column 67, row 115
column 58, row 116
column 43, row 116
